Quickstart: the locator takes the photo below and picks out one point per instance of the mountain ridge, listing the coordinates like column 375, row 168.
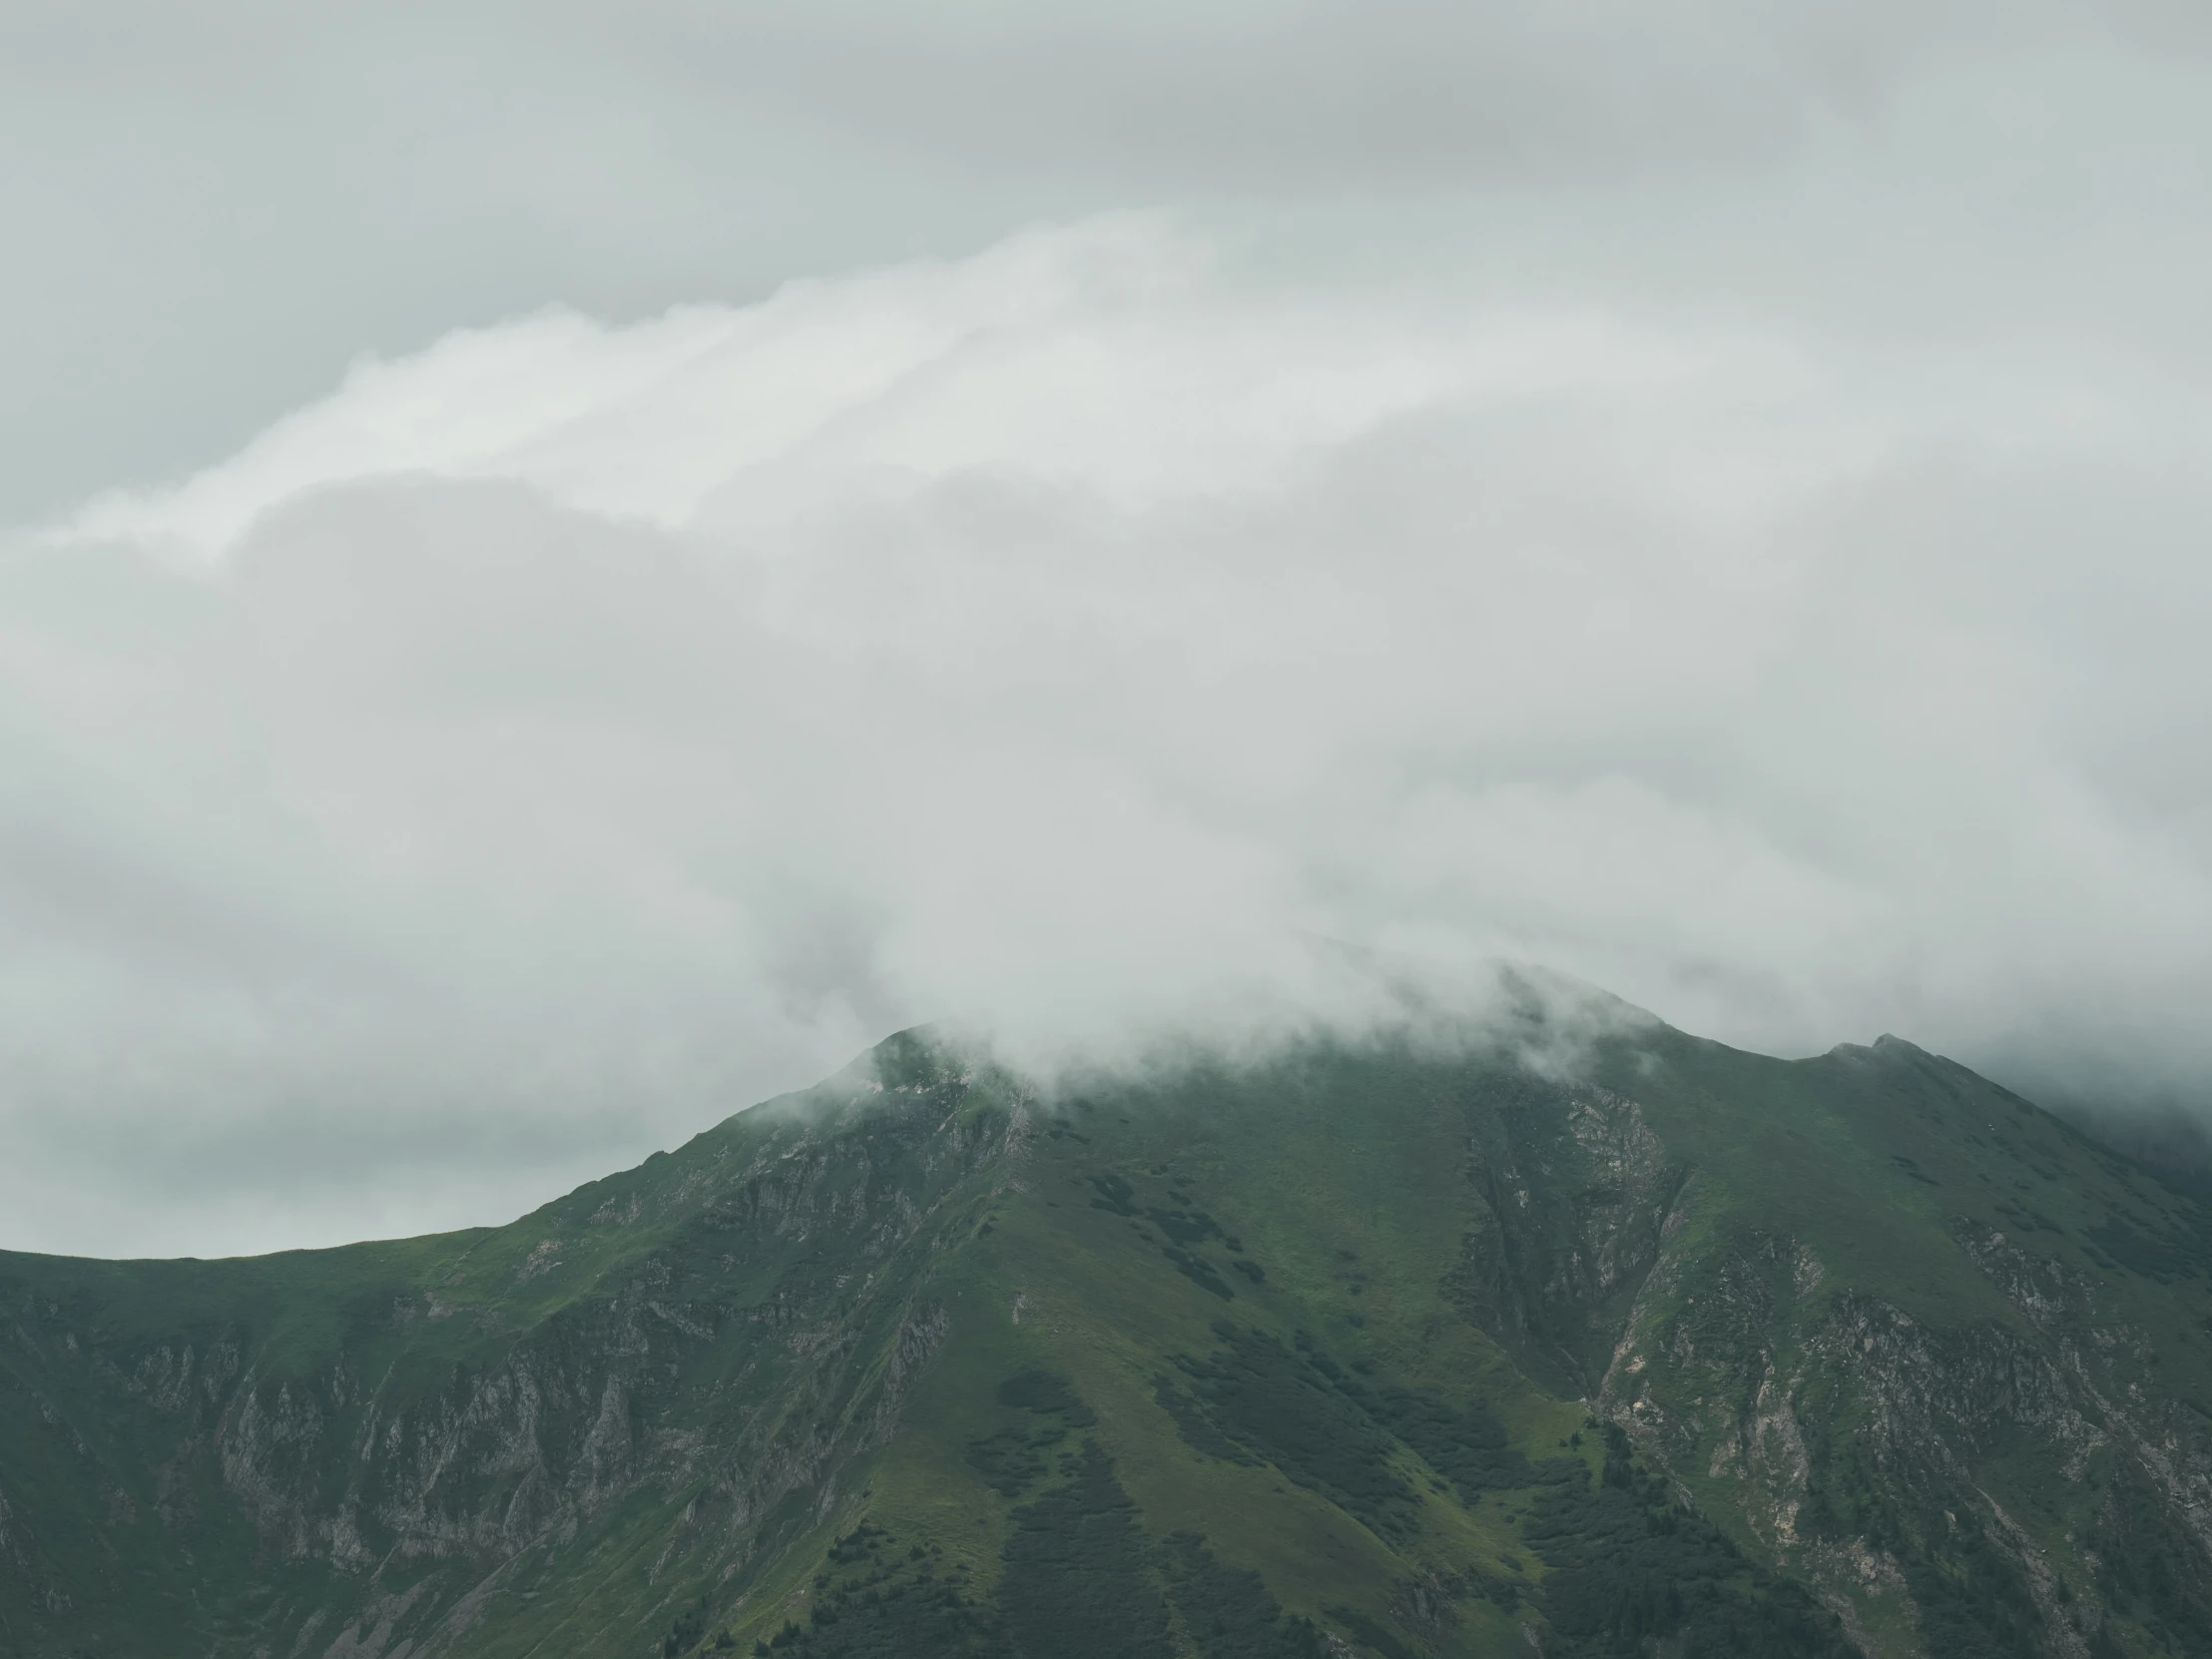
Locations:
column 1388, row 1348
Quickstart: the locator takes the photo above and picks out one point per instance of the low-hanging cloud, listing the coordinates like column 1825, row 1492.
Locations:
column 554, row 739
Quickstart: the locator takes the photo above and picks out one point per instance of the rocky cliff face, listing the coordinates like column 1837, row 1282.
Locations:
column 1957, row 1468
column 1382, row 1352
column 1574, row 1195
column 724, row 1332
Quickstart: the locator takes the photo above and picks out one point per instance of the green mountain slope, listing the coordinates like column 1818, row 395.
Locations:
column 1377, row 1350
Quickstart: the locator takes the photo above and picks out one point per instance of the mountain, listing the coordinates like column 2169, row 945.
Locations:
column 1616, row 1343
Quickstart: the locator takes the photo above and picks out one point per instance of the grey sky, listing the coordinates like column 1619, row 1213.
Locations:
column 1708, row 495
column 213, row 206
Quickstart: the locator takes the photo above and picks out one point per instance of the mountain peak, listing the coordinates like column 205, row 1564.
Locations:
column 1387, row 1348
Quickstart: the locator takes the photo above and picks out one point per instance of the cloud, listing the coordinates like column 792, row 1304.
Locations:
column 1395, row 95
column 556, row 737
column 212, row 204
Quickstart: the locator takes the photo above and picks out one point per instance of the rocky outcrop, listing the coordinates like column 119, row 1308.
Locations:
column 445, row 1462
column 1571, row 1193
column 1855, row 1440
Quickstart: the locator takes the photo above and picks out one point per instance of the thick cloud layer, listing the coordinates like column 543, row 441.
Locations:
column 553, row 739
column 209, row 206
column 1715, row 508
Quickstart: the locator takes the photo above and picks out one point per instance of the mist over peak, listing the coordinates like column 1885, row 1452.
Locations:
column 559, row 735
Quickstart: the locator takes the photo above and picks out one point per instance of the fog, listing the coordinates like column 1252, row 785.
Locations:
column 1717, row 509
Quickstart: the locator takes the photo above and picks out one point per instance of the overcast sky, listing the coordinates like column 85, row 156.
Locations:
column 572, row 566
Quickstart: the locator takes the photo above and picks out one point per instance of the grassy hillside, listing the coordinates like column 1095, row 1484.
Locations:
column 1373, row 1350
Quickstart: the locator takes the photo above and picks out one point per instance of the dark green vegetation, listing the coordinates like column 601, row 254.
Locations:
column 1663, row 1350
